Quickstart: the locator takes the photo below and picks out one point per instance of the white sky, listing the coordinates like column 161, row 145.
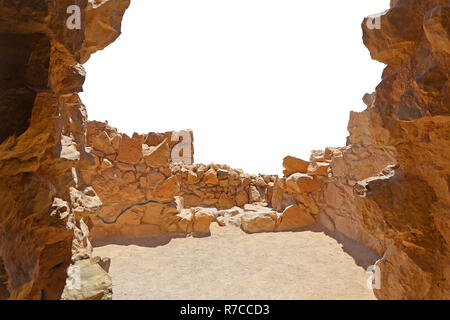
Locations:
column 256, row 80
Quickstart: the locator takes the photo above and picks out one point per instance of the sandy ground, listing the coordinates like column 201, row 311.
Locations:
column 231, row 264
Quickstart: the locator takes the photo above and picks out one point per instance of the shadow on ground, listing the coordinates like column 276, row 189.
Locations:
column 142, row 242
column 363, row 256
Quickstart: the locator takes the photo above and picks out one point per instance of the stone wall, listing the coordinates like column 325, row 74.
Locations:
column 389, row 188
column 359, row 160
column 220, row 186
column 129, row 172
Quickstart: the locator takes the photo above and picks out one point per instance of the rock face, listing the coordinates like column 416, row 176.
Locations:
column 389, row 187
column 294, row 217
column 4, row 293
column 42, row 145
column 408, row 208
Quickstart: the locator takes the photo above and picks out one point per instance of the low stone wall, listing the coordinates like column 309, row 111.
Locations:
column 123, row 172
column 358, row 161
column 324, row 187
column 106, row 142
column 220, row 186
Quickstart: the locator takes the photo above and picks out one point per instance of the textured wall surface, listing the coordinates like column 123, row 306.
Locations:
column 42, row 141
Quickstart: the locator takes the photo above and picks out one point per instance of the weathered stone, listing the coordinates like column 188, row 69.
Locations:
column 293, row 165
column 318, row 169
column 225, row 202
column 210, row 177
column 254, row 195
column 299, row 182
column 202, row 222
column 294, row 217
column 158, row 156
column 258, row 222
column 130, row 150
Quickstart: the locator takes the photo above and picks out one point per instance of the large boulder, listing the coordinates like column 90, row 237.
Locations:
column 261, row 221
column 293, row 165
column 158, row 156
column 300, row 182
column 294, row 217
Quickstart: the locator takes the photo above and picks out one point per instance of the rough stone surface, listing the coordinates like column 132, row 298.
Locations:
column 43, row 143
column 89, row 280
column 407, row 208
column 294, row 217
column 293, row 165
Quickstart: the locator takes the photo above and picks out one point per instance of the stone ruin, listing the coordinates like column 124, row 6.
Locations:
column 63, row 176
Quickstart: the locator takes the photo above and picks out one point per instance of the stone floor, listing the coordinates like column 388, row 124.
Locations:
column 231, row 264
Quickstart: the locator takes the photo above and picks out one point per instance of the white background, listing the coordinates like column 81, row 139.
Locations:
column 255, row 79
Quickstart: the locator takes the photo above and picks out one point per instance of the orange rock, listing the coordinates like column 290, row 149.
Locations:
column 294, row 217
column 225, row 202
column 253, row 194
column 168, row 189
column 152, row 213
column 106, row 164
column 192, row 200
column 294, row 165
column 258, row 222
column 103, row 24
column 154, row 179
column 130, row 150
column 125, row 166
column 210, row 177
column 102, row 142
column 192, row 178
column 299, row 182
column 241, row 198
column 318, row 169
column 436, row 28
column 158, row 156
column 202, row 222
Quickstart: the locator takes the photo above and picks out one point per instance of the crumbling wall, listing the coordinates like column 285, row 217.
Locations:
column 132, row 172
column 127, row 172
